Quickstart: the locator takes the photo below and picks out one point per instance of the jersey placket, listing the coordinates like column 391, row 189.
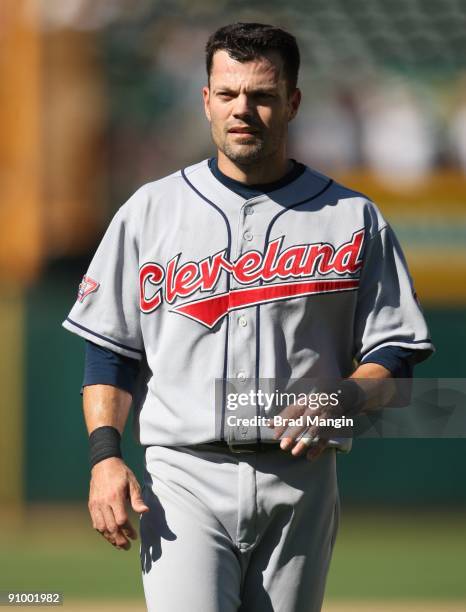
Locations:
column 242, row 325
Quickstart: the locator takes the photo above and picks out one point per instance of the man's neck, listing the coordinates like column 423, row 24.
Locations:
column 251, row 191
column 260, row 174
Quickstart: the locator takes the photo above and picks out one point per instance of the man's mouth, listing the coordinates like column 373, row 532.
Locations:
column 247, row 131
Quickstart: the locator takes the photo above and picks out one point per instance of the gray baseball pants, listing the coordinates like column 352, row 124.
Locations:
column 237, row 532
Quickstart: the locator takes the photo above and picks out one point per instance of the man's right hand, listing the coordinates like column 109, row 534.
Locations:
column 112, row 484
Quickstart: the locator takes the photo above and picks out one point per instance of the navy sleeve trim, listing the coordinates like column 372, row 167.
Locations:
column 106, row 338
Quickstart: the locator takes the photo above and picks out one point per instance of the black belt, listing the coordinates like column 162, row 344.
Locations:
column 243, row 447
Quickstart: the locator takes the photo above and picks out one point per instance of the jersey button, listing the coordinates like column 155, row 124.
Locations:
column 248, row 210
column 247, row 236
column 242, row 321
column 241, row 376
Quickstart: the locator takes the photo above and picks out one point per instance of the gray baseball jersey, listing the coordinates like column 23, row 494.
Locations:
column 202, row 284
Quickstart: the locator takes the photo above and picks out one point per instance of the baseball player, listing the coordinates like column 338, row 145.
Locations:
column 244, row 267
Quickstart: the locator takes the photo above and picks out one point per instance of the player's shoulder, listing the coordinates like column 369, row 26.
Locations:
column 344, row 193
column 352, row 202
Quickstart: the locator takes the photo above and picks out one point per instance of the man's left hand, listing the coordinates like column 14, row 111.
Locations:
column 303, row 439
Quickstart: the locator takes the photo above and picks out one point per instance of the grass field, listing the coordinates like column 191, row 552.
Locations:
column 383, row 562
column 332, row 606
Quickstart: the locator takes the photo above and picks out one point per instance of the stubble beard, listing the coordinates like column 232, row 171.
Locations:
column 247, row 154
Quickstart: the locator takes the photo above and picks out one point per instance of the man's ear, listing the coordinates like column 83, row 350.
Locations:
column 206, row 97
column 294, row 102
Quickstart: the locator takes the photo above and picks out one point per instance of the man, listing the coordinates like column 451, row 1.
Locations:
column 245, row 267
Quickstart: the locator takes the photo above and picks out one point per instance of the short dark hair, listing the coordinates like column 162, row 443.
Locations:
column 248, row 41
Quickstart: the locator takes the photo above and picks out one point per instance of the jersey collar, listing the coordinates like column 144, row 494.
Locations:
column 305, row 186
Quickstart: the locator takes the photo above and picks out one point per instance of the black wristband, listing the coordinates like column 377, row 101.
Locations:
column 104, row 442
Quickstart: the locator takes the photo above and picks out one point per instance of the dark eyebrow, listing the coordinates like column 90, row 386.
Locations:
column 264, row 90
column 225, row 90
column 259, row 90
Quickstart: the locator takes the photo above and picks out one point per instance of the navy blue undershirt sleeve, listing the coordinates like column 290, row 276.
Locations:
column 400, row 361
column 105, row 367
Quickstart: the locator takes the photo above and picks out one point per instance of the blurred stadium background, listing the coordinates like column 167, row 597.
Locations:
column 97, row 98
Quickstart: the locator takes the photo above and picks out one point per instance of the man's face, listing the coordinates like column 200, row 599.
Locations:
column 249, row 106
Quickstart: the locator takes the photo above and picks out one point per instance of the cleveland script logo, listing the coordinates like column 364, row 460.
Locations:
column 302, row 262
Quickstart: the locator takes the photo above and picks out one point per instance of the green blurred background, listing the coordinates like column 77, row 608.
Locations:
column 98, row 98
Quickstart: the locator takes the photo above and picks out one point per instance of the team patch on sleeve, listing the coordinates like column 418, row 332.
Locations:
column 88, row 285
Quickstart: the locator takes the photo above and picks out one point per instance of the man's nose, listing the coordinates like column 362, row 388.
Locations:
column 243, row 106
